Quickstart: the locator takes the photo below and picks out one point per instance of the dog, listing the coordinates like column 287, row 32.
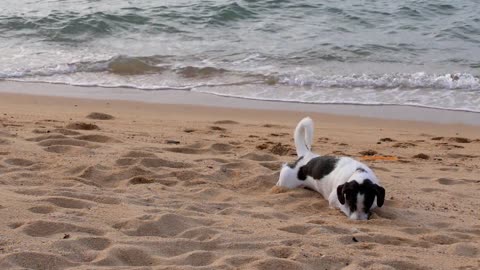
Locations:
column 346, row 183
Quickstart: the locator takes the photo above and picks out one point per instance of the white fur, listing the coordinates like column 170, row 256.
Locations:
column 304, row 136
column 346, row 170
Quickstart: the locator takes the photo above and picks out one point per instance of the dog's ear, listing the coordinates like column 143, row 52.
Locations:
column 380, row 195
column 340, row 195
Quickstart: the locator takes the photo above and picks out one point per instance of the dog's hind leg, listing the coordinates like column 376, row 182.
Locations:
column 288, row 178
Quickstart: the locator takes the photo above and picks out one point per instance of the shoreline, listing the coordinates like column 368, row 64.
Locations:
column 180, row 97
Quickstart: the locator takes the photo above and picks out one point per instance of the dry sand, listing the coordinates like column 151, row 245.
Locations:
column 189, row 187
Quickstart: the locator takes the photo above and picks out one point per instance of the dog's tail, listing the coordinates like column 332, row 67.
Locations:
column 303, row 136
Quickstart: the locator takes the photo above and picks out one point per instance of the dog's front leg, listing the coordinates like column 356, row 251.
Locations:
column 333, row 200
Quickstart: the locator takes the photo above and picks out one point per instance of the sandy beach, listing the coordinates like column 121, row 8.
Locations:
column 105, row 184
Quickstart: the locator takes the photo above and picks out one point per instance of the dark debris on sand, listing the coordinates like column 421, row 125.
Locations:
column 422, row 156
column 369, row 152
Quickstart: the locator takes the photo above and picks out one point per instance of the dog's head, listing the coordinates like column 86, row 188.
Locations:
column 359, row 197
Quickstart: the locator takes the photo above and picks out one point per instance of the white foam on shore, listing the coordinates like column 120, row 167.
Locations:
column 412, row 113
column 456, row 91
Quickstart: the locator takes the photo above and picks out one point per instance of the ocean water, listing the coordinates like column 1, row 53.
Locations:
column 421, row 53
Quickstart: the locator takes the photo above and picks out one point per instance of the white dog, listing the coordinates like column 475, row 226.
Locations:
column 348, row 184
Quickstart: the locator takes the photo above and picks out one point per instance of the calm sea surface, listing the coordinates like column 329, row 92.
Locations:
column 424, row 53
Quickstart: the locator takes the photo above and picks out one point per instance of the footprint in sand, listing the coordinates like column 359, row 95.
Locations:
column 61, row 144
column 133, row 157
column 47, row 137
column 100, row 116
column 4, row 141
column 31, row 191
column 100, row 198
column 415, row 230
column 226, row 122
column 6, row 134
column 184, row 175
column 187, row 150
column 98, row 176
column 277, row 148
column 281, row 134
column 274, row 166
column 464, row 249
column 440, row 239
column 459, row 140
column 259, row 157
column 195, row 258
column 66, row 132
column 332, row 230
column 140, row 154
column 298, row 229
column 404, row 145
column 280, row 252
column 158, row 162
column 82, row 126
column 139, row 180
column 167, row 225
column 126, row 162
column 42, row 209
column 123, row 255
column 378, row 238
column 235, row 165
column 75, row 249
column 272, row 126
column 448, row 181
column 97, row 138
column 94, row 243
column 237, row 261
column 429, row 190
column 69, row 202
column 67, row 149
column 199, row 234
column 20, row 162
column 198, row 149
column 42, row 228
column 278, row 263
column 217, row 128
column 399, row 264
column 461, row 156
column 221, row 147
column 35, row 260
column 57, row 131
column 448, row 169
column 217, row 160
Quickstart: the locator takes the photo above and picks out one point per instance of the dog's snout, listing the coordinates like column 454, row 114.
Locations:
column 360, row 216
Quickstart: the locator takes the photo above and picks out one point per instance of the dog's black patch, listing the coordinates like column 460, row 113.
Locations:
column 293, row 165
column 317, row 167
column 347, row 193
